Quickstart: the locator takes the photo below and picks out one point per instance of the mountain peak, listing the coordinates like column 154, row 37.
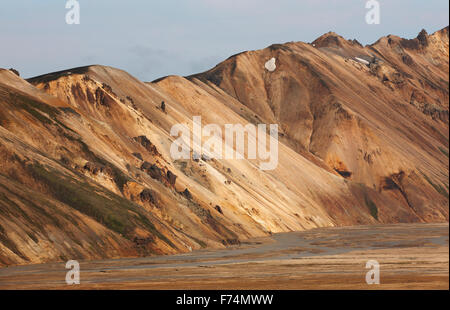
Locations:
column 423, row 37
column 329, row 39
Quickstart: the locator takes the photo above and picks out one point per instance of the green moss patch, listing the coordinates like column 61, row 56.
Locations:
column 373, row 209
column 114, row 212
column 439, row 188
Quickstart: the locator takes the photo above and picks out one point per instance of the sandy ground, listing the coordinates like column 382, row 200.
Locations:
column 411, row 256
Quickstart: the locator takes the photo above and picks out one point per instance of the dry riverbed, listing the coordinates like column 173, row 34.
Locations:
column 411, row 256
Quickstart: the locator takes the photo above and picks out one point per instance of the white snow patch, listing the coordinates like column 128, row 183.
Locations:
column 363, row 61
column 270, row 65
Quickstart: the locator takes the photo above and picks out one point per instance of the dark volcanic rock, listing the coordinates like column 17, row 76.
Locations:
column 171, row 178
column 152, row 170
column 103, row 98
column 138, row 156
column 92, row 167
column 145, row 166
column 407, row 60
column 147, row 144
column 219, row 209
column 423, row 37
column 142, row 242
column 14, row 71
column 187, row 194
column 147, row 195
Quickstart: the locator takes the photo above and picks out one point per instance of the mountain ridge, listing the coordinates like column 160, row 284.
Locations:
column 363, row 140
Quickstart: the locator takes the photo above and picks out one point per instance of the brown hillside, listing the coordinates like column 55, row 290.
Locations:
column 86, row 171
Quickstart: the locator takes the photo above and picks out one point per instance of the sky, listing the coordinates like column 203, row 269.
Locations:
column 152, row 39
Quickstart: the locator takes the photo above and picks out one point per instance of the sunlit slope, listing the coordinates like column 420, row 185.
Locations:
column 86, row 170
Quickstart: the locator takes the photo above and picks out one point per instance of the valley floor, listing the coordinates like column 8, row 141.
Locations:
column 411, row 256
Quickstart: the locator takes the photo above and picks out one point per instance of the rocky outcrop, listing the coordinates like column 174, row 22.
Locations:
column 147, row 144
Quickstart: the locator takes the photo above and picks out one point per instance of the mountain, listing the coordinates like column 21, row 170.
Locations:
column 86, row 170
